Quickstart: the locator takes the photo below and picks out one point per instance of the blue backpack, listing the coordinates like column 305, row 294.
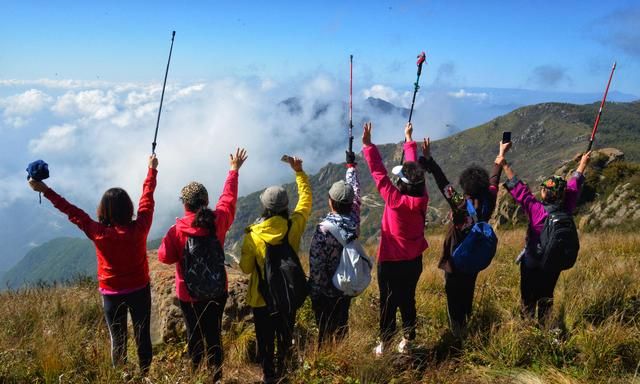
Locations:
column 477, row 249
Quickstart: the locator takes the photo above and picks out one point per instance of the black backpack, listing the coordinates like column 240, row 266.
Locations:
column 203, row 268
column 559, row 244
column 284, row 286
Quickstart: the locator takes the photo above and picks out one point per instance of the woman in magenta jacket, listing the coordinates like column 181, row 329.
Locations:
column 401, row 238
column 538, row 282
column 203, row 319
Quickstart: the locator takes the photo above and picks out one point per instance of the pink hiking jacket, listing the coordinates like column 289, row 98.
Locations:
column 402, row 232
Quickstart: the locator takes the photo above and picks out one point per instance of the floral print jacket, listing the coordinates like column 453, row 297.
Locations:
column 325, row 251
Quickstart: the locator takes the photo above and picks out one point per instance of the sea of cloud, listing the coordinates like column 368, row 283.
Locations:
column 97, row 135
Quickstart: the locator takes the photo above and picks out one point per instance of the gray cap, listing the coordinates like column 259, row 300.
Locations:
column 275, row 198
column 341, row 192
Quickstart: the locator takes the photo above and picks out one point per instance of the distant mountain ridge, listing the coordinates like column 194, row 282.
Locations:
column 544, row 136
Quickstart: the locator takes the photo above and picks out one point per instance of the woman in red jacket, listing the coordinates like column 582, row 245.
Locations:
column 202, row 316
column 123, row 270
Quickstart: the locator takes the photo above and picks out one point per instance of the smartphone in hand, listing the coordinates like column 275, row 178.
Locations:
column 506, row 137
column 286, row 158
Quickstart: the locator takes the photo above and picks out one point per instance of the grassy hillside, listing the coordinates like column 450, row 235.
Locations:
column 544, row 136
column 594, row 336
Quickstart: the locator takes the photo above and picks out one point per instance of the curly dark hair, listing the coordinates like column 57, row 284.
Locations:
column 474, row 181
column 415, row 174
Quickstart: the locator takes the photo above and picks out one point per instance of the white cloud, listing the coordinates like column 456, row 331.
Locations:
column 93, row 104
column 56, row 139
column 462, row 94
column 18, row 109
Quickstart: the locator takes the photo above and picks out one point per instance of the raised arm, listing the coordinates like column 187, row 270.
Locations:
column 76, row 215
column 352, row 179
column 574, row 186
column 146, row 204
column 388, row 191
column 226, row 206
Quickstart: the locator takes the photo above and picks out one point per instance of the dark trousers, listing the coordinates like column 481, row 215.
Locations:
column 536, row 290
column 138, row 304
column 397, row 281
column 204, row 332
column 459, row 288
column 332, row 316
column 273, row 331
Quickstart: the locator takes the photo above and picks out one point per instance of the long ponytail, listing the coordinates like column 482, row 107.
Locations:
column 205, row 217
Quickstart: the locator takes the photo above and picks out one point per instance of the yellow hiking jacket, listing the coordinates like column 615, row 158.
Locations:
column 272, row 231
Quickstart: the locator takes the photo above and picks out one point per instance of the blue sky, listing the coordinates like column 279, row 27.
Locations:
column 561, row 45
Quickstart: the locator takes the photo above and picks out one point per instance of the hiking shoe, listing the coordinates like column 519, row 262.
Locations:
column 379, row 349
column 404, row 346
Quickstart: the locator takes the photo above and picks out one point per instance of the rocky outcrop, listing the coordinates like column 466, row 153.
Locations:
column 167, row 324
column 622, row 206
column 507, row 212
column 600, row 159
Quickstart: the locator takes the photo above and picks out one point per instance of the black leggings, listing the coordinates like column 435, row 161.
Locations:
column 397, row 281
column 272, row 330
column 459, row 288
column 536, row 289
column 138, row 303
column 332, row 316
column 204, row 332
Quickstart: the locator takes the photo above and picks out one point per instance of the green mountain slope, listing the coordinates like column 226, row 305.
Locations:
column 60, row 259
column 544, row 136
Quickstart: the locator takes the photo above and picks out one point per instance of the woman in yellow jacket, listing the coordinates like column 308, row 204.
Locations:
column 271, row 228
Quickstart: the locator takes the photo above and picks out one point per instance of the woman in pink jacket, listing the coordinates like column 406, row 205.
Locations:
column 401, row 238
column 203, row 317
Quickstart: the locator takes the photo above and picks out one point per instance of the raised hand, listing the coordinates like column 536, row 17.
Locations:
column 237, row 160
column 408, row 131
column 38, row 186
column 153, row 161
column 584, row 160
column 351, row 158
column 504, row 148
column 366, row 133
column 295, row 163
column 426, row 148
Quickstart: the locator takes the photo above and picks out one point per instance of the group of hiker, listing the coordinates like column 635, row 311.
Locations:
column 339, row 269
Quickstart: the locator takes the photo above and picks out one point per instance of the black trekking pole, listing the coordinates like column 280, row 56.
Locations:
column 421, row 59
column 153, row 145
column 604, row 99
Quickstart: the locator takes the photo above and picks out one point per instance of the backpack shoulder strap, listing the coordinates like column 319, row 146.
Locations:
column 472, row 210
column 335, row 232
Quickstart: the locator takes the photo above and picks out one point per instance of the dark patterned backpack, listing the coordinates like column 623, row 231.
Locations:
column 559, row 243
column 203, row 267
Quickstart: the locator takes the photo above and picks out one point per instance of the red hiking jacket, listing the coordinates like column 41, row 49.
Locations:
column 121, row 250
column 172, row 246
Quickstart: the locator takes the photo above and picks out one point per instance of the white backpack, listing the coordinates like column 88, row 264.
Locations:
column 354, row 271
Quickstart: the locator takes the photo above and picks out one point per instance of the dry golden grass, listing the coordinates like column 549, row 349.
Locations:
column 58, row 334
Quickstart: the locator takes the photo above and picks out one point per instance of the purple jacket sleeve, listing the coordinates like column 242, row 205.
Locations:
column 574, row 187
column 522, row 194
